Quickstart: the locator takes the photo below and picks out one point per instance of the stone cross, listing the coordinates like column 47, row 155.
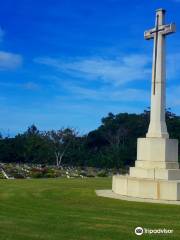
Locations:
column 157, row 126
column 156, row 174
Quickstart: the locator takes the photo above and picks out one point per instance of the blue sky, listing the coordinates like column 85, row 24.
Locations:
column 67, row 63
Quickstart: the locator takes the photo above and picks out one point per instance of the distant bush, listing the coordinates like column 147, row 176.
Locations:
column 90, row 175
column 36, row 175
column 102, row 173
column 83, row 173
column 18, row 175
column 1, row 176
column 50, row 175
column 44, row 173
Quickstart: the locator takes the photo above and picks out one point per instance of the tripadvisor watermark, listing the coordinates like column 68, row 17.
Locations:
column 139, row 231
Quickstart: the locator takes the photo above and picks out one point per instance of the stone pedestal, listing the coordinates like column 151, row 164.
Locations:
column 156, row 174
column 157, row 158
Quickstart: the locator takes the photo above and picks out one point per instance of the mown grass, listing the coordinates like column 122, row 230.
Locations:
column 69, row 209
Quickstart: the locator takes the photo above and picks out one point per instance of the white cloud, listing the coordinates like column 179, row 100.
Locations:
column 117, row 71
column 110, row 94
column 1, row 34
column 9, row 60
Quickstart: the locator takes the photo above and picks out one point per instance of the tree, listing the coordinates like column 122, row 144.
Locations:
column 32, row 131
column 61, row 141
column 112, row 144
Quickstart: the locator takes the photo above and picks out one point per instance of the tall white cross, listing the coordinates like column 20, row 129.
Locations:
column 157, row 126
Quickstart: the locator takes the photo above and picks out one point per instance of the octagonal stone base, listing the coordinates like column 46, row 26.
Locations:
column 146, row 188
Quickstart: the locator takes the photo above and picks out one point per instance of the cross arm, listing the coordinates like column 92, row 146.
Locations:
column 168, row 29
column 163, row 29
column 149, row 34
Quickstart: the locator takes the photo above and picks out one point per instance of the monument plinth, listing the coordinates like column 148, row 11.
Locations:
column 156, row 174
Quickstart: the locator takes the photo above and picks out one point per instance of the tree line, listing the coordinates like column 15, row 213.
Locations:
column 112, row 145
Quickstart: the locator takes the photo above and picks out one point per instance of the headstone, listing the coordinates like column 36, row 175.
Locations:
column 156, row 174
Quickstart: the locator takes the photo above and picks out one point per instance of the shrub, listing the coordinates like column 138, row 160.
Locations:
column 1, row 176
column 102, row 173
column 36, row 175
column 18, row 175
column 50, row 175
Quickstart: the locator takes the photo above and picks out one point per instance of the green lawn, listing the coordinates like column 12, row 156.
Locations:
column 69, row 209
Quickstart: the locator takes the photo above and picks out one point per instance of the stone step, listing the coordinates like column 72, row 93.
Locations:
column 155, row 173
column 146, row 188
column 156, row 164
